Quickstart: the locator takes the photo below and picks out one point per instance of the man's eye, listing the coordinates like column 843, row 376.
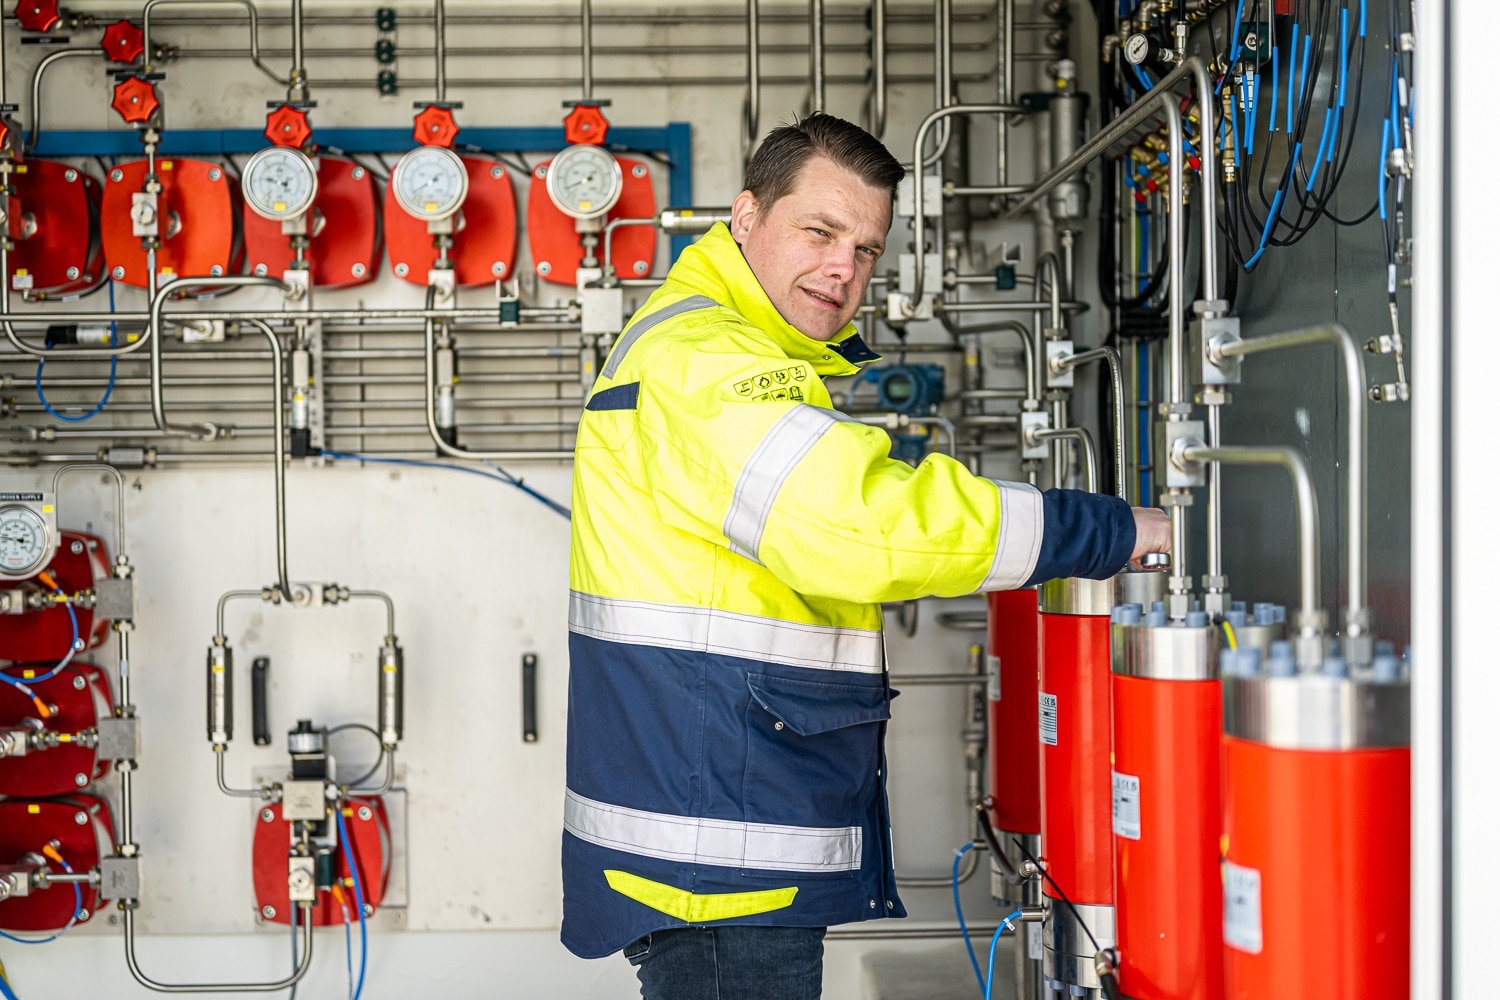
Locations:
column 870, row 252
column 818, row 232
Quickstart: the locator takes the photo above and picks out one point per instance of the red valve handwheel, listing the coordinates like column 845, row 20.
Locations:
column 135, row 99
column 434, row 126
column 37, row 15
column 123, row 42
column 585, row 125
column 287, row 126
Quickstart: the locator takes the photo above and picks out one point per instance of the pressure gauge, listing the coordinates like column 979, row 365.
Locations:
column 584, row 181
column 430, row 182
column 280, row 183
column 1140, row 49
column 25, row 542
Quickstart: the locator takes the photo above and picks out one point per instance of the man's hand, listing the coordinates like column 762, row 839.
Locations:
column 1153, row 533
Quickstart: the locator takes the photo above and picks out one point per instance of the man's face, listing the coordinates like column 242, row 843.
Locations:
column 814, row 250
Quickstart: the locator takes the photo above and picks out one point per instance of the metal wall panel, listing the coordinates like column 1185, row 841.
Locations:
column 1295, row 397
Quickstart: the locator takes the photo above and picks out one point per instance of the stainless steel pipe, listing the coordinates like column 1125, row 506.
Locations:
column 1110, row 357
column 587, row 27
column 303, row 964
column 254, row 31
column 1356, row 611
column 46, row 63
column 919, row 217
column 1307, row 506
column 817, row 71
column 153, row 335
column 1085, row 444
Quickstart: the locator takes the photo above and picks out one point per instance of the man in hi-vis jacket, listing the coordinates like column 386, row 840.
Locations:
column 733, row 539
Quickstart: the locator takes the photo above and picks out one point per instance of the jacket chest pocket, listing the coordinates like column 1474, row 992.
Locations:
column 812, row 751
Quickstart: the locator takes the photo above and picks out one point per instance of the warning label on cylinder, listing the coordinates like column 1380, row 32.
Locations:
column 1047, row 718
column 1127, row 805
column 1242, row 908
column 1034, row 941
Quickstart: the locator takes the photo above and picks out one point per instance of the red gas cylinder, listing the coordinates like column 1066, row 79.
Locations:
column 1015, row 783
column 1317, row 804
column 1073, row 648
column 1014, row 759
column 1168, row 726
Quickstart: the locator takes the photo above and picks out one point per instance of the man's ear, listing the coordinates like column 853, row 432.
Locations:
column 743, row 215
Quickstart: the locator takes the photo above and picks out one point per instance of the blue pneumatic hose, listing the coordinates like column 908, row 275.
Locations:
column 359, row 899
column 990, row 985
column 959, row 910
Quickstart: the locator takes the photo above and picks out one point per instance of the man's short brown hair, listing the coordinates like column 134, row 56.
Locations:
column 774, row 167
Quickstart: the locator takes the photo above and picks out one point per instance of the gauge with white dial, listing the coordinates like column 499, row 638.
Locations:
column 584, row 181
column 430, row 182
column 24, row 546
column 280, row 183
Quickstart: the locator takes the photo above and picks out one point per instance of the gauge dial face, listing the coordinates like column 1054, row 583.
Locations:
column 1137, row 49
column 584, row 181
column 23, row 541
column 280, row 183
column 430, row 182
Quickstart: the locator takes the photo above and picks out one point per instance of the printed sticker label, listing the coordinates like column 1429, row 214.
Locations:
column 992, row 672
column 1034, row 941
column 1047, row 718
column 1242, row 929
column 1127, row 805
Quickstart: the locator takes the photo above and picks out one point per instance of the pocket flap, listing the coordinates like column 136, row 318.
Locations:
column 811, row 707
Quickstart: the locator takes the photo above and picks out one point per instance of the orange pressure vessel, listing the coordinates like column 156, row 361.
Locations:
column 1168, row 725
column 1073, row 723
column 1317, row 820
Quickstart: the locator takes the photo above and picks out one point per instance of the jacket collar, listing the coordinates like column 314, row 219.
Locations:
column 715, row 267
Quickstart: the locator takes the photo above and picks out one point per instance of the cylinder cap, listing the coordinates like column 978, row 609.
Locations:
column 1386, row 670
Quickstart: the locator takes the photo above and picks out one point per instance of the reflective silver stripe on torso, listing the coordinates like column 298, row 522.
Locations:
column 761, row 846
column 1020, row 538
column 768, row 640
column 784, row 446
column 640, row 327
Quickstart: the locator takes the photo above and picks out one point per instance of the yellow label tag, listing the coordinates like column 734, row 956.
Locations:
column 166, row 164
column 686, row 213
column 585, row 205
column 65, row 737
column 22, row 270
column 28, row 674
column 167, row 270
column 430, row 206
column 131, row 338
column 33, row 808
column 46, row 508
column 279, row 206
column 21, row 168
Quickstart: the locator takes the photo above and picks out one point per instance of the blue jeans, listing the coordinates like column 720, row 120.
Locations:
column 737, row 962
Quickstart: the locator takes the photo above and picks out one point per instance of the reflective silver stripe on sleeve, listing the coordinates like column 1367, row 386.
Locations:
column 1020, row 541
column 727, row 633
column 640, row 327
column 760, row 846
column 785, row 444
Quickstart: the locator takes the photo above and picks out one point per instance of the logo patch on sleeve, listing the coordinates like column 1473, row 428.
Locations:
column 781, row 384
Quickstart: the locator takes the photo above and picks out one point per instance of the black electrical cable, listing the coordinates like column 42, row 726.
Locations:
column 378, row 761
